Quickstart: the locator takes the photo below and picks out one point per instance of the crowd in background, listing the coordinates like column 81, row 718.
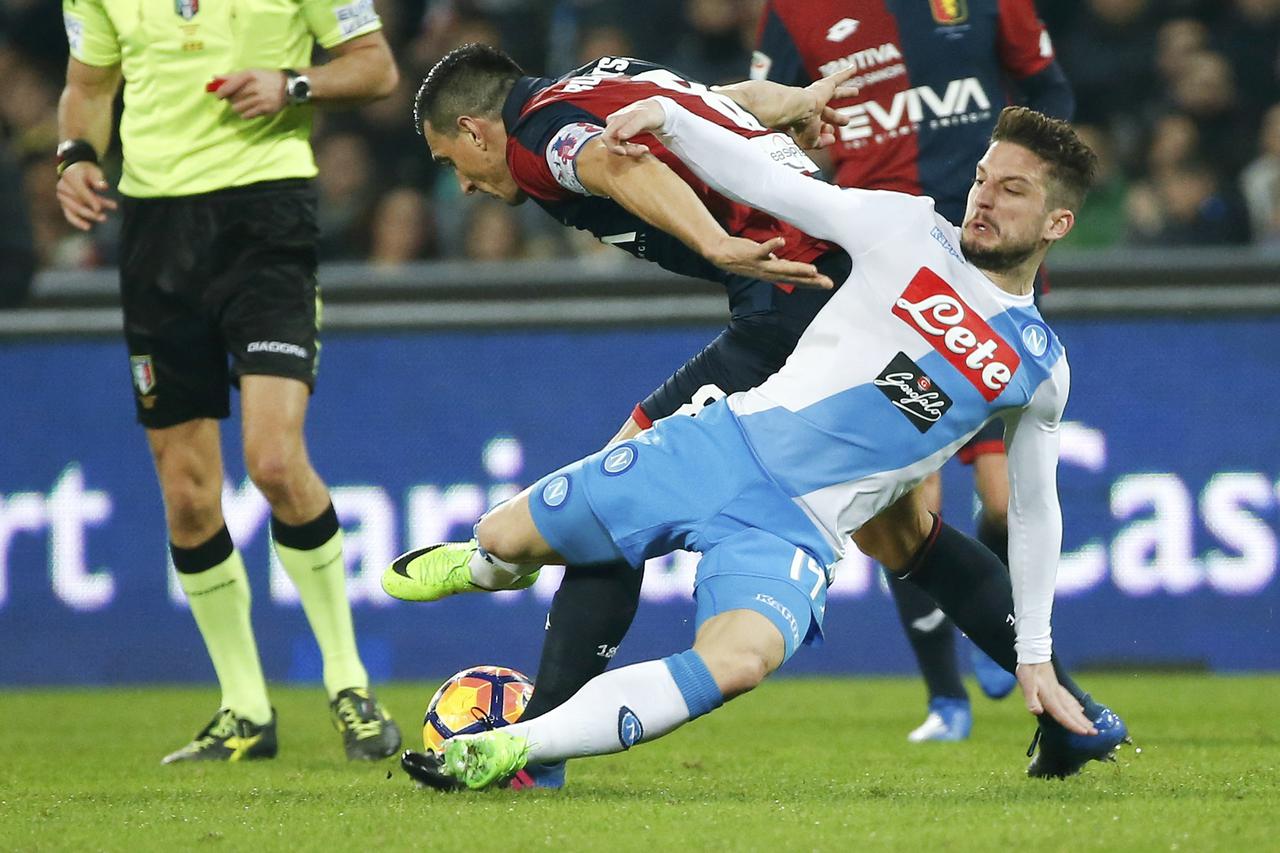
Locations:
column 1181, row 99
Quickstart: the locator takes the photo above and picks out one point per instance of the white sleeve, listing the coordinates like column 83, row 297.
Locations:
column 1035, row 517
column 749, row 171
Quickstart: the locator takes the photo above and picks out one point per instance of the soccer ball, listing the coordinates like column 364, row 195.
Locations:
column 475, row 700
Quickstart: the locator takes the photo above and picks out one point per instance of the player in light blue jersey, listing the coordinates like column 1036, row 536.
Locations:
column 933, row 335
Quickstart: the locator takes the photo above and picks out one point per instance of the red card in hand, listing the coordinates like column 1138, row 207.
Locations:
column 215, row 84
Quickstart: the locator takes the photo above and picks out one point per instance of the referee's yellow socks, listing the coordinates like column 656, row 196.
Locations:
column 217, row 588
column 311, row 554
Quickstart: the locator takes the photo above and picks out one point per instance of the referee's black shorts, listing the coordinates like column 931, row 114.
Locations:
column 214, row 287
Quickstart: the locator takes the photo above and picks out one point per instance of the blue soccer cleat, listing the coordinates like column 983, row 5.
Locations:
column 994, row 680
column 1063, row 753
column 949, row 720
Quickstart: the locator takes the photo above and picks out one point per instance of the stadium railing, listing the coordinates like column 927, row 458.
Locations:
column 622, row 291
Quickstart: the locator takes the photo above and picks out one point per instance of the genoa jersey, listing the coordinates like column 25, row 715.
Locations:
column 932, row 77
column 548, row 121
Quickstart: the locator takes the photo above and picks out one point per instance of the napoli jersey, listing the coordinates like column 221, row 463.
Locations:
column 548, row 121
column 932, row 77
column 911, row 356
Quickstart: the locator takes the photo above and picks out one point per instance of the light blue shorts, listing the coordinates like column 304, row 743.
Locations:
column 693, row 483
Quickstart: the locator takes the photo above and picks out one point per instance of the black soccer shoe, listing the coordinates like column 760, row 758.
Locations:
column 229, row 738
column 426, row 769
column 1063, row 753
column 368, row 732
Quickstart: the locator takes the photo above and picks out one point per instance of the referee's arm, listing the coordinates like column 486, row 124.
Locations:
column 362, row 69
column 84, row 114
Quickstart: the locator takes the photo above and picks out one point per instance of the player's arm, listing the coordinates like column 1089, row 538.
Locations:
column 84, row 118
column 1035, row 544
column 648, row 188
column 738, row 168
column 360, row 68
column 1027, row 57
column 802, row 112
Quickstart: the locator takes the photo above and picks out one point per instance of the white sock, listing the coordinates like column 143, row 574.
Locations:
column 491, row 572
column 595, row 720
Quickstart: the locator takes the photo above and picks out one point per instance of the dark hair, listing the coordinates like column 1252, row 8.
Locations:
column 1072, row 164
column 470, row 80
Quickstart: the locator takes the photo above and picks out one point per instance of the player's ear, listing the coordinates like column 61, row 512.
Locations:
column 1058, row 224
column 469, row 128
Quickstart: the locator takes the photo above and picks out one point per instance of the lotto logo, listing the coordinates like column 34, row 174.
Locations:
column 958, row 333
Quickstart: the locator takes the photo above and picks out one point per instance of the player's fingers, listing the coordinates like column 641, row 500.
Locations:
column 832, row 116
column 794, row 272
column 77, row 214
column 768, row 247
column 1064, row 708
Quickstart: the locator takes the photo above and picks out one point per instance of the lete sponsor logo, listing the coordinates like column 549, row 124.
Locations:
column 913, row 392
column 958, row 333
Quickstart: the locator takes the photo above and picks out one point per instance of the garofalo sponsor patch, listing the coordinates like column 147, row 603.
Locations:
column 913, row 392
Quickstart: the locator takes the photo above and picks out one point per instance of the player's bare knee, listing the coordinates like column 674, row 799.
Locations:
column 736, row 671
column 272, row 470
column 193, row 512
column 497, row 535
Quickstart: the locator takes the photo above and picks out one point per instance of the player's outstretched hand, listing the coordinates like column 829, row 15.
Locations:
column 80, row 192
column 644, row 116
column 1043, row 694
column 816, row 126
column 757, row 260
column 252, row 93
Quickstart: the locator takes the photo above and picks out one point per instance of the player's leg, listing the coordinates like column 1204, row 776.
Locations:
column 932, row 636
column 973, row 587
column 268, row 317
column 749, row 624
column 991, row 481
column 180, row 381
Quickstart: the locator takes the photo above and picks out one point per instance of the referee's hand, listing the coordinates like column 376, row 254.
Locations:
column 80, row 192
column 253, row 93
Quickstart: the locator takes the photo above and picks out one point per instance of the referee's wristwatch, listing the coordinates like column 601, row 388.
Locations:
column 297, row 88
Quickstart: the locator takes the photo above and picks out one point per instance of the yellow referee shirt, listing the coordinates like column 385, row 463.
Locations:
column 179, row 139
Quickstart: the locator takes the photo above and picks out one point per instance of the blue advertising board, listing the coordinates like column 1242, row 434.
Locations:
column 1168, row 479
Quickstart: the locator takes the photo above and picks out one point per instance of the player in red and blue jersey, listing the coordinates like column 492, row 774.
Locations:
column 931, row 79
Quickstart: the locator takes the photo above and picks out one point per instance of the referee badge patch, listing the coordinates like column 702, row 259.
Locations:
column 186, row 8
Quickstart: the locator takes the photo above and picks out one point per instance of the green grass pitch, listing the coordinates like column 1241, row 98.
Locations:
column 801, row 764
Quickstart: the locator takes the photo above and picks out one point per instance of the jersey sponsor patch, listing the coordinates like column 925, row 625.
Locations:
column 562, row 153
column 959, row 334
column 355, row 16
column 913, row 392
column 781, row 148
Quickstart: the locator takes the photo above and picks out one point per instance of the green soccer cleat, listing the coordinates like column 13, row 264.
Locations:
column 438, row 571
column 229, row 738
column 485, row 760
column 368, row 732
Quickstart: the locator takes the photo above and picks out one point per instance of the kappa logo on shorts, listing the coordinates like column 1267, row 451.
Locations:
column 556, row 492
column 785, row 611
column 619, row 460
column 913, row 392
column 1035, row 337
column 630, row 729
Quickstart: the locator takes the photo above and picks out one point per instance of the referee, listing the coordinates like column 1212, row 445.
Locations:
column 217, row 276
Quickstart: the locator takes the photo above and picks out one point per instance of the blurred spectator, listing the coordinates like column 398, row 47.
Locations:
column 403, row 229
column 492, row 232
column 1174, row 139
column 346, row 194
column 1260, row 182
column 1101, row 222
column 17, row 248
column 1196, row 208
column 1249, row 35
column 1176, row 42
column 1109, row 57
column 1206, row 91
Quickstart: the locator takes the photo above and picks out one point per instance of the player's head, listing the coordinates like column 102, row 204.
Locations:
column 458, row 109
column 1026, row 191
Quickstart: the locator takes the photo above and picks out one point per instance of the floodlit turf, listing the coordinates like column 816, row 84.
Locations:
column 799, row 765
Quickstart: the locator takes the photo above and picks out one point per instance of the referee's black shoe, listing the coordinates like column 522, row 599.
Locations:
column 368, row 732
column 229, row 738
